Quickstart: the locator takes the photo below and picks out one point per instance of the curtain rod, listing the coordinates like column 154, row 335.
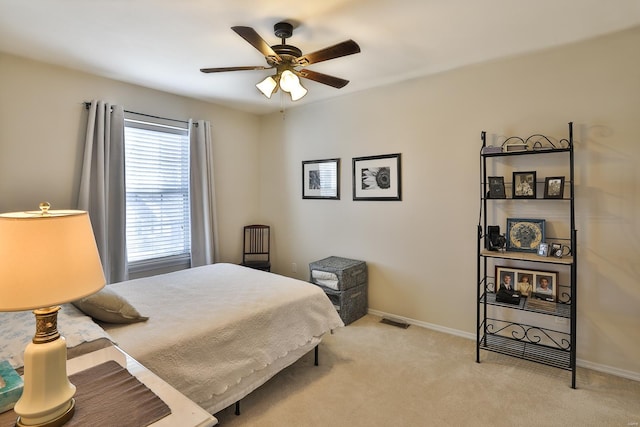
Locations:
column 87, row 104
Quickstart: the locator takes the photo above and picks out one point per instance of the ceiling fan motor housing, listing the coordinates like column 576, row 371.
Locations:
column 287, row 52
column 283, row 30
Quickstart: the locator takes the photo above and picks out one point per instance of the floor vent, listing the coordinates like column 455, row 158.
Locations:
column 396, row 323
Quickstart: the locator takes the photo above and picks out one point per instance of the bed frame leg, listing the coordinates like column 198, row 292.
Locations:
column 315, row 352
column 238, row 407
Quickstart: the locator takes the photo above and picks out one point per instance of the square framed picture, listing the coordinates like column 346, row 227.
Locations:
column 524, row 185
column 524, row 235
column 321, row 179
column 554, row 187
column 377, row 177
column 496, row 188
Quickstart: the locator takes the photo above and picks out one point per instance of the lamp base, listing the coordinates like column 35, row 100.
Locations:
column 47, row 396
column 56, row 422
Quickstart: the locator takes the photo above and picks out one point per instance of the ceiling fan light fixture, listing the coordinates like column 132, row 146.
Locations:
column 289, row 82
column 289, row 62
column 297, row 92
column 268, row 86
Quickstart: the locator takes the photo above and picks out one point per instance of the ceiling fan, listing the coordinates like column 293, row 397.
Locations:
column 289, row 62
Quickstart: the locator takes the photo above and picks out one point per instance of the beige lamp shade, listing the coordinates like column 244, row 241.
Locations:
column 47, row 258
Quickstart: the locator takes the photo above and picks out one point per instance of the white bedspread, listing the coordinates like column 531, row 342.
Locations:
column 211, row 326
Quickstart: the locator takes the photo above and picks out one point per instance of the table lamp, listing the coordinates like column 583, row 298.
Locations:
column 47, row 258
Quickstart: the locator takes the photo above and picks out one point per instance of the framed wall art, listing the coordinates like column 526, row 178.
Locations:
column 321, row 179
column 524, row 235
column 554, row 187
column 377, row 177
column 524, row 185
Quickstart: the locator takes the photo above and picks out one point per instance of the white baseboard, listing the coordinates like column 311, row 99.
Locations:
column 608, row 369
column 580, row 362
column 422, row 324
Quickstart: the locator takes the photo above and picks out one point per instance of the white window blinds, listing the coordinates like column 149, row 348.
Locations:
column 157, row 187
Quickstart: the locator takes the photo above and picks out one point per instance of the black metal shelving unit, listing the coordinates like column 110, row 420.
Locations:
column 500, row 334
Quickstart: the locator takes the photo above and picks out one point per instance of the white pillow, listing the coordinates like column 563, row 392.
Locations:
column 108, row 306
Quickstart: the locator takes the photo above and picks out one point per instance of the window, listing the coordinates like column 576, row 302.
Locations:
column 157, row 200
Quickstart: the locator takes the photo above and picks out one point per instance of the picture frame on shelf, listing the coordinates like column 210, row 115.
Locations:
column 554, row 187
column 525, row 234
column 559, row 250
column 524, row 185
column 543, row 249
column 377, row 177
column 496, row 188
column 529, row 283
column 321, row 179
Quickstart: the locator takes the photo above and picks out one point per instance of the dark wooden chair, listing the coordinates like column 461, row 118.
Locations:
column 256, row 251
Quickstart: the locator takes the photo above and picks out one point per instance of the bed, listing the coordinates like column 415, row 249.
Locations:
column 216, row 332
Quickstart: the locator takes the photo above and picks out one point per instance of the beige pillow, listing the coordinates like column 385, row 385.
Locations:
column 107, row 306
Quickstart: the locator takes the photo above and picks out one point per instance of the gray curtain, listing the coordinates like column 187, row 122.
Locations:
column 204, row 233
column 102, row 186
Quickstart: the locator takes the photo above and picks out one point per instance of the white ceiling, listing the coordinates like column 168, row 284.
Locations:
column 162, row 44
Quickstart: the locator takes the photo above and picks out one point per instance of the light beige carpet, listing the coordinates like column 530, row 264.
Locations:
column 372, row 374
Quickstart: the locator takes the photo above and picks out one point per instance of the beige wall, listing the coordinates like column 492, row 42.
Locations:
column 42, row 125
column 421, row 251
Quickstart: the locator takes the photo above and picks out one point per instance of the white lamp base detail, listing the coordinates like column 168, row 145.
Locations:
column 47, row 397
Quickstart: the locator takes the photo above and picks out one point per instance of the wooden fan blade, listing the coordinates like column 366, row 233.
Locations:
column 250, row 35
column 323, row 78
column 223, row 69
column 345, row 48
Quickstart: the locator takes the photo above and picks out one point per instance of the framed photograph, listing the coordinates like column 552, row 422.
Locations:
column 545, row 285
column 505, row 278
column 321, row 179
column 528, row 283
column 543, row 249
column 554, row 187
column 524, row 185
column 524, row 282
column 377, row 177
column 524, row 235
column 496, row 188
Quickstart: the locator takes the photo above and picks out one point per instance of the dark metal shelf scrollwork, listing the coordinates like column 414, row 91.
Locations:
column 530, row 334
column 529, row 342
column 538, row 142
column 534, row 144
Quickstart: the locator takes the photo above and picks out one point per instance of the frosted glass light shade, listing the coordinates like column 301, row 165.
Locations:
column 267, row 86
column 46, row 259
column 289, row 82
column 297, row 92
